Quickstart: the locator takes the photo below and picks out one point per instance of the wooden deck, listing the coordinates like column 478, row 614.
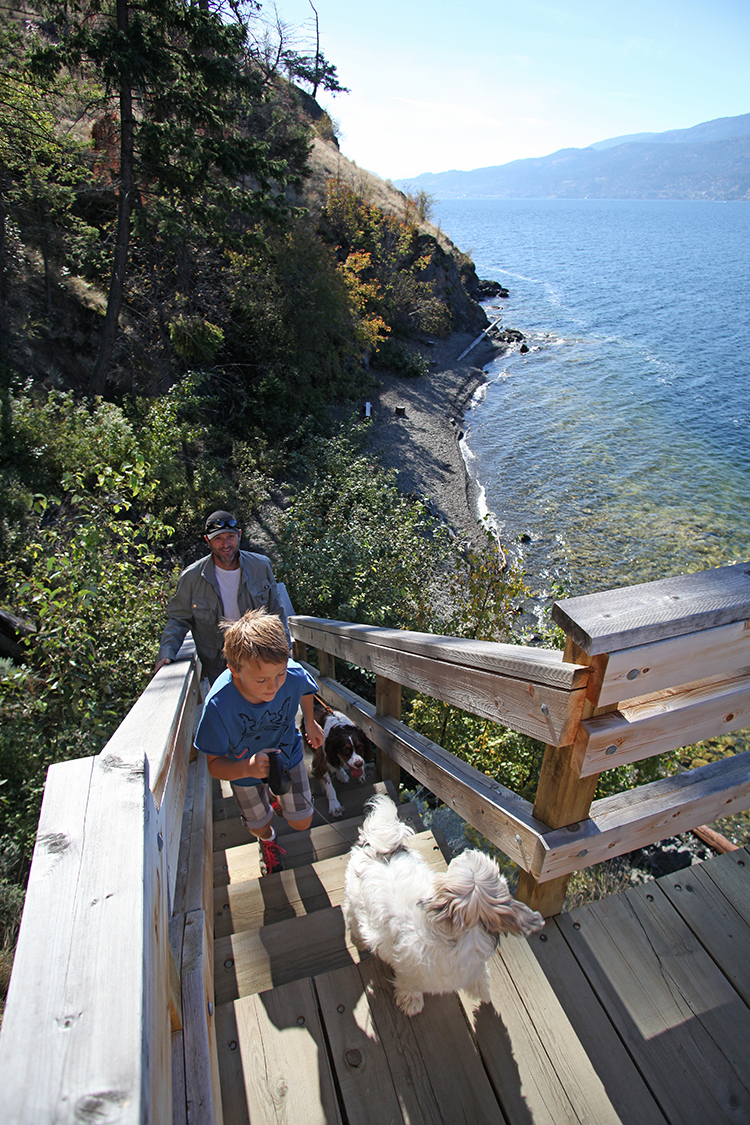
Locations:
column 632, row 1009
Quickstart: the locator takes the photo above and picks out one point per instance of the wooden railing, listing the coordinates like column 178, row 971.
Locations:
column 646, row 669
column 110, row 1008
column 111, row 995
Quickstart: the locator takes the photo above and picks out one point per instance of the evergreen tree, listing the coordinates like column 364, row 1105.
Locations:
column 187, row 92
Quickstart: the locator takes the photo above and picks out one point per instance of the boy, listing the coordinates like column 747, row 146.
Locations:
column 248, row 715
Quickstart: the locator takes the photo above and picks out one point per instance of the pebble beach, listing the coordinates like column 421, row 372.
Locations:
column 418, row 423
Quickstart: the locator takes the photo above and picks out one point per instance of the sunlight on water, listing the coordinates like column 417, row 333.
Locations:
column 620, row 444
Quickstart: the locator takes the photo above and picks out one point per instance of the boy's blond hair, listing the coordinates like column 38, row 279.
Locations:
column 258, row 635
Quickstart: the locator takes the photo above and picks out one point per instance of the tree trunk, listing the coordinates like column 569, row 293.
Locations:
column 5, row 419
column 122, row 240
column 316, row 73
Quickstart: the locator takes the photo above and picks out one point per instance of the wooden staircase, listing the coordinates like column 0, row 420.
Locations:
column 286, row 933
column 306, row 1028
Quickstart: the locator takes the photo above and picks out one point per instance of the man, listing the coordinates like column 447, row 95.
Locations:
column 221, row 586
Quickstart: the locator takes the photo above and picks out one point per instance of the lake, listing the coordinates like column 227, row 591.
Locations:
column 617, row 450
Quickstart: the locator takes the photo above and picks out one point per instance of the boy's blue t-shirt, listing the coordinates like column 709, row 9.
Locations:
column 230, row 725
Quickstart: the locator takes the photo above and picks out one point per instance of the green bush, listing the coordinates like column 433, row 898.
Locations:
column 91, row 584
column 353, row 547
column 397, row 357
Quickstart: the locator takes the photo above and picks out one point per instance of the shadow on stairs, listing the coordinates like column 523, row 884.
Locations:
column 306, row 1028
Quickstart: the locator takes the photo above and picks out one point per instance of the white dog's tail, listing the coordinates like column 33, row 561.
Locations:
column 382, row 831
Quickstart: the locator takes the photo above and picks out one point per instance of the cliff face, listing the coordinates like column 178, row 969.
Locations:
column 451, row 273
column 448, row 273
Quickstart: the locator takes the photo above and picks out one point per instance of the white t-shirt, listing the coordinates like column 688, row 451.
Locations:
column 229, row 584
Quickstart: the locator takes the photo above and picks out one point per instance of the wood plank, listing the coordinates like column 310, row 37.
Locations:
column 498, row 813
column 654, row 611
column 714, row 900
column 561, row 796
column 426, row 1066
column 152, row 723
column 665, row 720
column 370, row 1091
column 302, row 890
column 680, row 1019
column 388, row 702
column 202, row 1084
column 540, row 710
column 95, row 917
column 680, row 660
column 362, row 644
column 443, row 1043
column 180, row 889
column 644, row 815
column 273, row 1059
column 256, row 960
column 532, row 1053
column 238, row 864
column 179, row 1094
column 630, row 1096
column 199, row 883
column 172, row 800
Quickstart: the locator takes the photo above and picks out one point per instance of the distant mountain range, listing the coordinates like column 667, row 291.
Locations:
column 708, row 161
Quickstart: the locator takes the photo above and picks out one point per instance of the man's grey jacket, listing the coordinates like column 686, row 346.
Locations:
column 196, row 606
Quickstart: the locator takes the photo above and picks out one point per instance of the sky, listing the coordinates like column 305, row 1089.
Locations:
column 440, row 85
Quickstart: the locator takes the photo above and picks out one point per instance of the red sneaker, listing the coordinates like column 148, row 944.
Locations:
column 270, row 857
column 275, row 804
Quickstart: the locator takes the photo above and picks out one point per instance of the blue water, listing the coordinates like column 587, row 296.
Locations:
column 620, row 444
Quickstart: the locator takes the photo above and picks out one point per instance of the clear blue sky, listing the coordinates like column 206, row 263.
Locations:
column 471, row 83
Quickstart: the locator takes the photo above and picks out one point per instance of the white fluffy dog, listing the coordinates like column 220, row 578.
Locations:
column 437, row 931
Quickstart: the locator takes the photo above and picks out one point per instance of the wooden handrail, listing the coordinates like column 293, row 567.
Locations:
column 540, row 666
column 86, row 1028
column 529, row 690
column 655, row 611
column 686, row 640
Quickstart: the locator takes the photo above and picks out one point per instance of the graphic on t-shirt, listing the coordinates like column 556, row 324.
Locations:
column 272, row 731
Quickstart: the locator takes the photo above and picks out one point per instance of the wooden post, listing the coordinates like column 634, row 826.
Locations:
column 562, row 797
column 299, row 651
column 388, row 702
column 327, row 664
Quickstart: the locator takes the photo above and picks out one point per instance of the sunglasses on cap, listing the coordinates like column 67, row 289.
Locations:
column 221, row 525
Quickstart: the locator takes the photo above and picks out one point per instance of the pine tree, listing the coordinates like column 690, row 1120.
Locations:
column 186, row 89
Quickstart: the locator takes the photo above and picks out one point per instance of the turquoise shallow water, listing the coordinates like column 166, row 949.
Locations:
column 620, row 444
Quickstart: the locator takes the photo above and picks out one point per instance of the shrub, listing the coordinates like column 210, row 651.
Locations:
column 405, row 362
column 90, row 583
column 353, row 547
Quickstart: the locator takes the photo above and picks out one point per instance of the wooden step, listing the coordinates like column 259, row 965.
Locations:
column 229, row 830
column 240, row 863
column 256, row 960
column 282, row 1054
column 273, row 1060
column 302, row 890
column 313, row 940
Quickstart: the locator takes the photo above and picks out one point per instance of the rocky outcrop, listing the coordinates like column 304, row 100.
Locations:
column 447, row 273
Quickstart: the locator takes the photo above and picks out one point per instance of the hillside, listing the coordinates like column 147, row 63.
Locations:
column 709, row 161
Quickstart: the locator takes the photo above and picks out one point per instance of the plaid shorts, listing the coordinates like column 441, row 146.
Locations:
column 255, row 810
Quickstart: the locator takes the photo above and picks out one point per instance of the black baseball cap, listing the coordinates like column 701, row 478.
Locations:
column 220, row 522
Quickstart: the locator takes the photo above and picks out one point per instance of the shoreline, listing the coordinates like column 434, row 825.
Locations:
column 422, row 443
